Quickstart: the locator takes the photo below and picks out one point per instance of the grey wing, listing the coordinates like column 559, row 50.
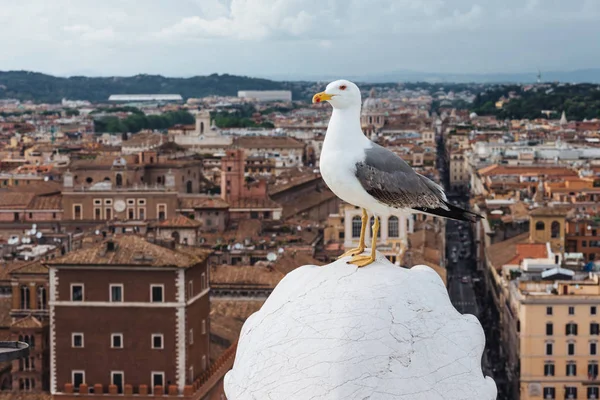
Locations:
column 391, row 181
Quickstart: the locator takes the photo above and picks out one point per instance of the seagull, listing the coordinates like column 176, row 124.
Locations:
column 370, row 176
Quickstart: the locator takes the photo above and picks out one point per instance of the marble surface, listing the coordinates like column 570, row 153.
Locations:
column 342, row 332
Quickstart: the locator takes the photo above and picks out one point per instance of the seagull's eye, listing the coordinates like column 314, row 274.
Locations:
column 343, row 87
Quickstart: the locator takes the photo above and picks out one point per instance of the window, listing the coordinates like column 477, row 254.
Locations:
column 77, row 211
column 593, row 310
column 131, row 213
column 555, row 229
column 76, row 291
column 203, row 281
column 594, row 328
column 161, row 211
column 549, row 393
column 156, row 293
column 549, row 369
column 25, row 305
column 593, row 348
column 131, row 202
column 142, row 213
column 584, row 243
column 42, row 300
column 116, row 378
column 157, row 341
column 356, row 226
column 593, row 370
column 204, row 327
column 191, row 339
column 116, row 292
column 549, row 329
column 571, row 368
column 570, row 392
column 203, row 363
column 97, row 213
column 571, row 329
column 108, row 202
column 190, row 289
column 77, row 377
column 116, row 340
column 393, row 227
column 593, row 392
column 77, row 340
column 108, row 213
column 549, row 348
column 540, row 226
column 158, row 379
column 141, row 202
column 97, row 202
column 570, row 349
column 571, row 310
column 548, row 310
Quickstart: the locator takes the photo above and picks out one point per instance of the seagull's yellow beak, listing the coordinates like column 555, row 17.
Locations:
column 319, row 97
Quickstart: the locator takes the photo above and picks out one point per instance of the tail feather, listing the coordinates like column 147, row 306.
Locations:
column 452, row 212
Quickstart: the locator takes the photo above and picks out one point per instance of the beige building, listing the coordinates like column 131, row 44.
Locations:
column 393, row 231
column 559, row 329
column 460, row 173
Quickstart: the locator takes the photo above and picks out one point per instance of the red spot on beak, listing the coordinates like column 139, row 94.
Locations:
column 318, row 100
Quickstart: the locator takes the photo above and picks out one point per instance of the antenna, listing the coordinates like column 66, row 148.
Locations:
column 271, row 257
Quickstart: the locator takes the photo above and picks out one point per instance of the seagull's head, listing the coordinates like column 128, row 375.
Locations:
column 340, row 94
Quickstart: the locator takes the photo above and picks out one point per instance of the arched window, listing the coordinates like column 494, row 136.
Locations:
column 42, row 300
column 540, row 226
column 356, row 226
column 555, row 229
column 119, row 180
column 201, row 127
column 25, row 297
column 393, row 227
column 372, row 221
column 189, row 187
column 106, row 179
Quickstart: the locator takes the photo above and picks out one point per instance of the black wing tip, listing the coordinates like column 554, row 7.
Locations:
column 453, row 212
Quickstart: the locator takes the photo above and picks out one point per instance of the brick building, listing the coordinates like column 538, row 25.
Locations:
column 128, row 315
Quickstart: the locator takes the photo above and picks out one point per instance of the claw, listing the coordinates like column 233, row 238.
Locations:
column 361, row 261
column 352, row 252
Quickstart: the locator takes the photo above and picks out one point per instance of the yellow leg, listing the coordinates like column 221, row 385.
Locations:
column 361, row 242
column 362, row 261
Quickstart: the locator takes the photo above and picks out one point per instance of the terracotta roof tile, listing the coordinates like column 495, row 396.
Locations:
column 202, row 202
column 502, row 253
column 27, row 322
column 529, row 250
column 128, row 250
column 35, row 267
column 267, row 142
column 52, row 202
column 244, row 276
column 179, row 221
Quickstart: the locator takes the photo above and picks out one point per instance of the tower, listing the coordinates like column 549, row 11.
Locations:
column 202, row 122
column 539, row 76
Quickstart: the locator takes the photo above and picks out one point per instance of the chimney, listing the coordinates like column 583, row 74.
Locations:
column 68, row 179
column 111, row 245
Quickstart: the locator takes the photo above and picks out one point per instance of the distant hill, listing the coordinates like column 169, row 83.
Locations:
column 591, row 75
column 42, row 88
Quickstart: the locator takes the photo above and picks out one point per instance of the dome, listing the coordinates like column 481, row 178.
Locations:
column 473, row 115
column 371, row 103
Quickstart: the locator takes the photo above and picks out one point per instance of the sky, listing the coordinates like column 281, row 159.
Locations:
column 297, row 37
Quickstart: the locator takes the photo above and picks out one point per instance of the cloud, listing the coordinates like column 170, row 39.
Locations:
column 237, row 36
